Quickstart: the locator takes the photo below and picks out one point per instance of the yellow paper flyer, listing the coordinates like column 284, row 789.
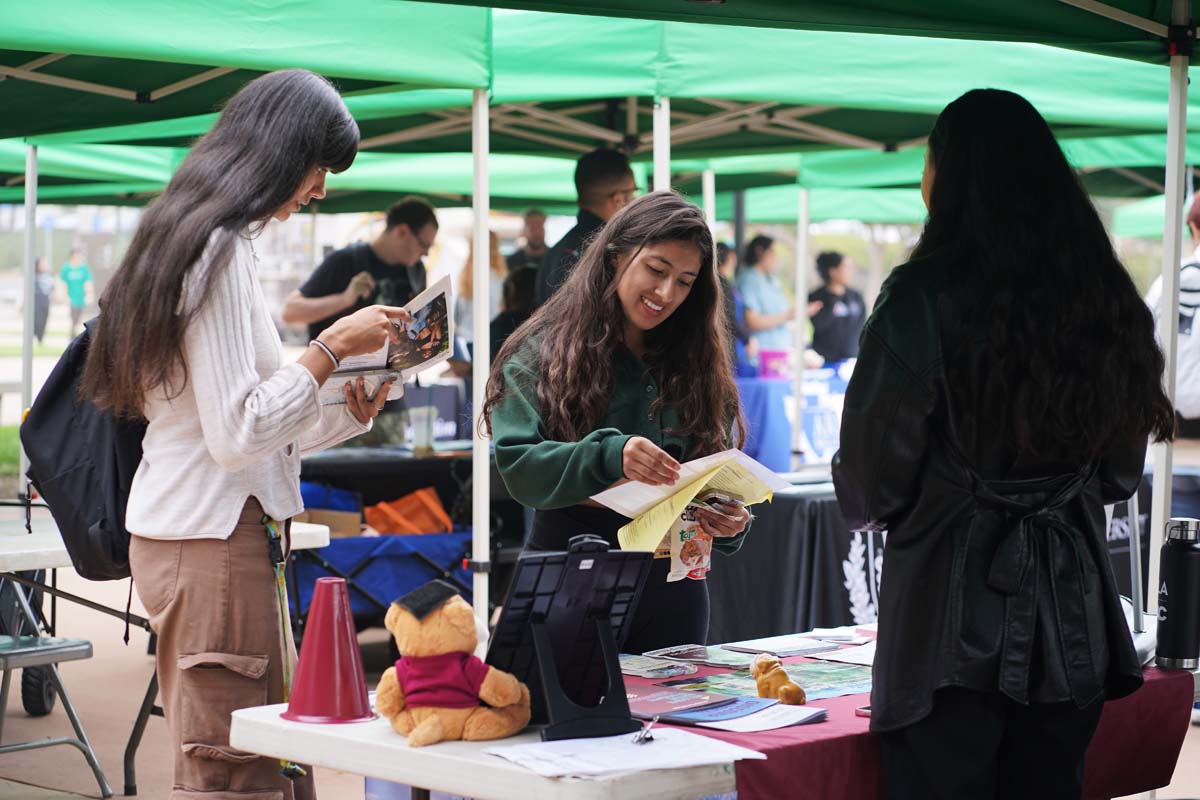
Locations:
column 647, row 530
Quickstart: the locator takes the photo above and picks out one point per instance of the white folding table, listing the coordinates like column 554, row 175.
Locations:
column 43, row 549
column 462, row 768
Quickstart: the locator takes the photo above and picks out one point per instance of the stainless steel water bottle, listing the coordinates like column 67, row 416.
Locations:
column 1179, row 596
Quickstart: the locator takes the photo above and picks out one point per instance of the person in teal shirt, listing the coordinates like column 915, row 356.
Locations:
column 77, row 275
column 622, row 374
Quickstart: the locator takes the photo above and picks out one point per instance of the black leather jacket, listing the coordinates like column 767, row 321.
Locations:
column 996, row 574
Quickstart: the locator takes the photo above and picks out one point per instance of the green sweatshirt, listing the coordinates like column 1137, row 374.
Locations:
column 546, row 474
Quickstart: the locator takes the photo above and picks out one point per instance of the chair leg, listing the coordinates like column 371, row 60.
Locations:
column 4, row 686
column 88, row 752
column 135, row 738
column 68, row 706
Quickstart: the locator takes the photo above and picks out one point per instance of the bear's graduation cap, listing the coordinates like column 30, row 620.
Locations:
column 424, row 600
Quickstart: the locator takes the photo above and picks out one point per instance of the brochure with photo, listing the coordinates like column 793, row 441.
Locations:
column 657, row 702
column 424, row 342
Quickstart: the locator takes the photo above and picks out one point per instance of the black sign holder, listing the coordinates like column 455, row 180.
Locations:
column 563, row 621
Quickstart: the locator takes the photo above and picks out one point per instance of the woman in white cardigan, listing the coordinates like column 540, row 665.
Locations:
column 187, row 342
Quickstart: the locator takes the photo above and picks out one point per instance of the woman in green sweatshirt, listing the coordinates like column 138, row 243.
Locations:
column 621, row 374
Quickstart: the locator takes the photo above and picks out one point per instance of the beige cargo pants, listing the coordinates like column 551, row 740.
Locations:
column 214, row 606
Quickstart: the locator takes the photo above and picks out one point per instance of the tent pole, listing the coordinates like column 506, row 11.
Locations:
column 800, row 331
column 739, row 223
column 662, row 143
column 31, row 184
column 481, row 360
column 708, row 183
column 1168, row 318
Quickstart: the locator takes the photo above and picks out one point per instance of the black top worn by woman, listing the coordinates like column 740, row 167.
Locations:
column 997, row 575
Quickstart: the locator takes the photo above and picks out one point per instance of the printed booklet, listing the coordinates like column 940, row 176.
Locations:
column 424, row 342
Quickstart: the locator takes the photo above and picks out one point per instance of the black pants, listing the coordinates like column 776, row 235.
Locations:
column 667, row 614
column 983, row 746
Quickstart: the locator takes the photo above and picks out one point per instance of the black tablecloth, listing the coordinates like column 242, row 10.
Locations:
column 800, row 568
column 787, row 577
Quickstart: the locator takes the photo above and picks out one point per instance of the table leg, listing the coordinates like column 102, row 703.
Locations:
column 135, row 737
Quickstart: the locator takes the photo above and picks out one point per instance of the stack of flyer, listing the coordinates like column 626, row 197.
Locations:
column 707, row 656
column 786, row 646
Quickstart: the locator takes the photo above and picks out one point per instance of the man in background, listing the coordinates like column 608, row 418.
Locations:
column 387, row 271
column 604, row 184
column 77, row 275
column 839, row 319
column 534, row 234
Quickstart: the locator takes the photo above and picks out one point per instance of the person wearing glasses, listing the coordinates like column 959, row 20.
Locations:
column 386, row 271
column 604, row 184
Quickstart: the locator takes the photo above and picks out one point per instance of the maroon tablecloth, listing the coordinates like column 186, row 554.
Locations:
column 1134, row 750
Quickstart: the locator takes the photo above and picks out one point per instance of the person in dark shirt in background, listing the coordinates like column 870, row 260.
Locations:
column 534, row 234
column 516, row 306
column 839, row 320
column 604, row 184
column 387, row 271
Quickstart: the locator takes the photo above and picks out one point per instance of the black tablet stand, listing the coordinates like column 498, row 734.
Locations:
column 560, row 630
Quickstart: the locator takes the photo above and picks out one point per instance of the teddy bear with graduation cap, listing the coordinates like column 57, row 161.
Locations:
column 438, row 690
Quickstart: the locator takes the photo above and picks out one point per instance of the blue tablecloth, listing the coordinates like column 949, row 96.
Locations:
column 387, row 566
column 765, row 405
column 768, row 429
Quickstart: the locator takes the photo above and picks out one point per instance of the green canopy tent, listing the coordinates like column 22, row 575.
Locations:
column 562, row 83
column 1142, row 219
column 1108, row 166
column 71, row 65
column 68, row 64
column 780, row 204
column 1158, row 32
column 566, row 84
column 1123, row 28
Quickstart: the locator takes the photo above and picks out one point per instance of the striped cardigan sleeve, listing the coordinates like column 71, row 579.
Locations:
column 244, row 419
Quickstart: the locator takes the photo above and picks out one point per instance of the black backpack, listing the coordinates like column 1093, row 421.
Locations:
column 82, row 461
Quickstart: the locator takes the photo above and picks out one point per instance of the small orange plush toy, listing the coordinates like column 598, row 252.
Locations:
column 773, row 681
column 434, row 692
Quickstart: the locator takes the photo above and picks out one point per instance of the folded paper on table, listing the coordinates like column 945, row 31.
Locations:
column 740, row 707
column 646, row 703
column 592, row 758
column 654, row 508
column 708, row 655
column 863, row 655
column 648, row 667
column 784, row 646
column 769, row 719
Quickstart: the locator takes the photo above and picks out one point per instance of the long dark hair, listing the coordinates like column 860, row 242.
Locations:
column 267, row 140
column 1037, row 285
column 581, row 327
column 755, row 249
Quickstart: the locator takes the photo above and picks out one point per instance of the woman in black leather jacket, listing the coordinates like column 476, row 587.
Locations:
column 1006, row 387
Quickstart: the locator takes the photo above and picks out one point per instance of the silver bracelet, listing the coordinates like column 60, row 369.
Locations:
column 325, row 349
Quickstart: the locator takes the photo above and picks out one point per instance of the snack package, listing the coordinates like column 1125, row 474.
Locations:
column 687, row 544
column 691, row 547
